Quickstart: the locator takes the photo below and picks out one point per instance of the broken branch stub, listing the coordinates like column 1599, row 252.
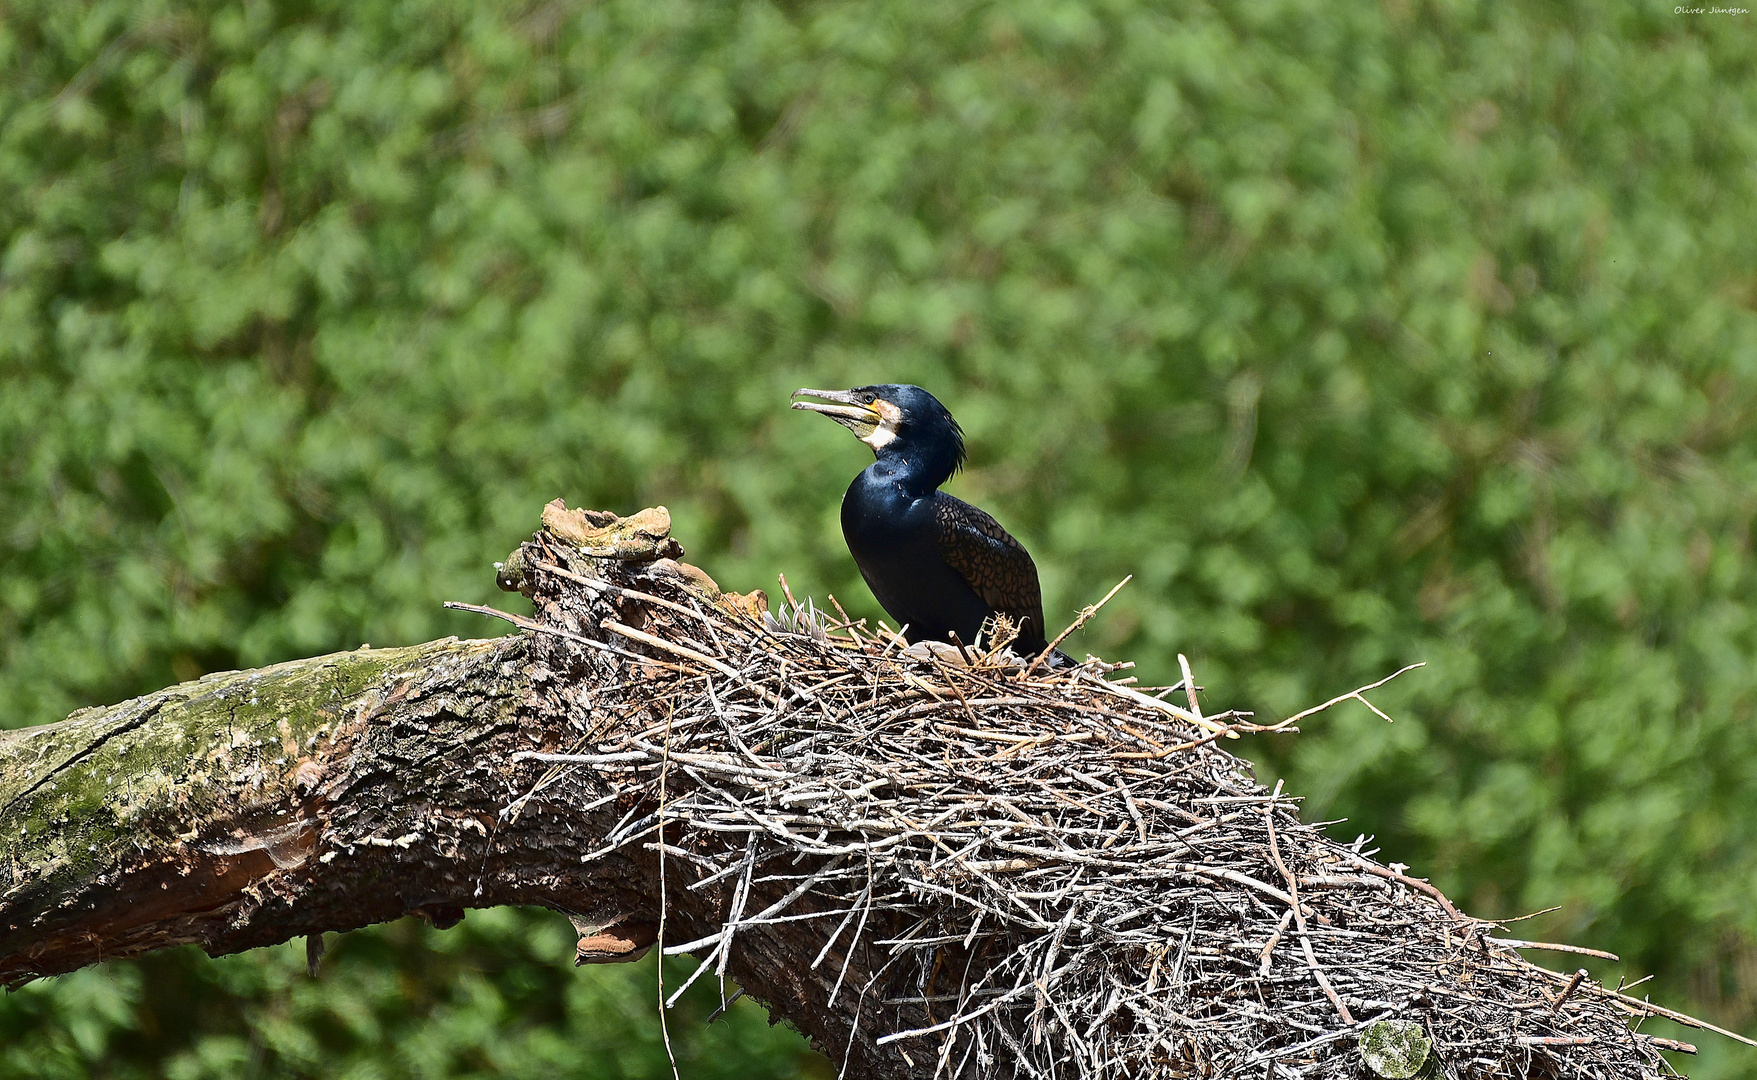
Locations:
column 932, row 863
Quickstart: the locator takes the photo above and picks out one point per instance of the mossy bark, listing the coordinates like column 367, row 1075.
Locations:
column 253, row 806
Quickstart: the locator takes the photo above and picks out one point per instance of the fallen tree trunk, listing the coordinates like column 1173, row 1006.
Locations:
column 929, row 862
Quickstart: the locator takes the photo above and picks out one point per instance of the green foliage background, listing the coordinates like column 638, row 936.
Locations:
column 1359, row 333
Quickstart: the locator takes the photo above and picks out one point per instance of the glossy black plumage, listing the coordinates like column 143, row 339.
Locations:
column 935, row 563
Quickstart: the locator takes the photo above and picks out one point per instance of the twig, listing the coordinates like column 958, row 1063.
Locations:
column 1183, row 662
column 1079, row 621
column 1547, row 946
column 618, row 590
column 1269, row 946
column 664, row 907
column 1556, row 1005
column 1682, row 1018
column 1417, row 884
column 1355, row 694
column 1299, row 919
column 689, row 654
column 965, row 653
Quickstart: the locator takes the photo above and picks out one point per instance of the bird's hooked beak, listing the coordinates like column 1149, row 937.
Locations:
column 849, row 410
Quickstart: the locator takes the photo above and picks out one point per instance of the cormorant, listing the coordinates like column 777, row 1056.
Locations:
column 935, row 563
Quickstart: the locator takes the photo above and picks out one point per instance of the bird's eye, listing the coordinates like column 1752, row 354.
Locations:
column 868, row 398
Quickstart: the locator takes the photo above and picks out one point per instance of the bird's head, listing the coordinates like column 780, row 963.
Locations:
column 894, row 419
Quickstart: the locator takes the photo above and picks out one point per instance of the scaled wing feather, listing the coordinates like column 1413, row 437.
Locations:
column 996, row 566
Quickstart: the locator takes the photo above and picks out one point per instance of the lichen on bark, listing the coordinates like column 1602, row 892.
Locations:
column 180, row 802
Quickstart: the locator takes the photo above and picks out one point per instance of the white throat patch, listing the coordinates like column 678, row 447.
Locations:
column 886, row 432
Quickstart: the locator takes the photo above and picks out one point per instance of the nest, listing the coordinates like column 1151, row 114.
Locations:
column 1017, row 872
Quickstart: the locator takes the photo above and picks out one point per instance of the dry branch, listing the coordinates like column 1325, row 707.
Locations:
column 930, row 866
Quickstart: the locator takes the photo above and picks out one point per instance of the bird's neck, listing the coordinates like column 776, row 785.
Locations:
column 912, row 470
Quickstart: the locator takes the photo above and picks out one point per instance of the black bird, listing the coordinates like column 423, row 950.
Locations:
column 937, row 564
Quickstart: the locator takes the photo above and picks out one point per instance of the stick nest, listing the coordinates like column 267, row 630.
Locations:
column 1002, row 873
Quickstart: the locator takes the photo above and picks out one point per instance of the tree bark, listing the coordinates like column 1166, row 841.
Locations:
column 251, row 807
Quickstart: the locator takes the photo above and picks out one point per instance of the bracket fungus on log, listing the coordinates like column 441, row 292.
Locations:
column 932, row 862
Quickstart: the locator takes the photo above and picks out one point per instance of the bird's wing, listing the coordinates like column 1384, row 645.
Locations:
column 997, row 567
